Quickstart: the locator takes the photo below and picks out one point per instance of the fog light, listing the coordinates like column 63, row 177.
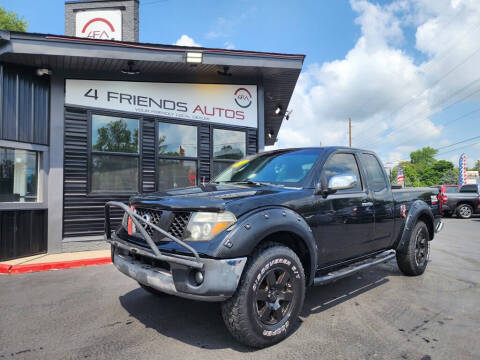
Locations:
column 199, row 277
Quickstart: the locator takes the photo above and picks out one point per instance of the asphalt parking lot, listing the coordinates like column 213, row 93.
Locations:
column 97, row 313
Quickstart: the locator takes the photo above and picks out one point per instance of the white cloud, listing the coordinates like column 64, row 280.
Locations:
column 229, row 45
column 382, row 86
column 186, row 40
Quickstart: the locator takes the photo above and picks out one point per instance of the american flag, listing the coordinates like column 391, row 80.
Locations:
column 462, row 168
column 400, row 177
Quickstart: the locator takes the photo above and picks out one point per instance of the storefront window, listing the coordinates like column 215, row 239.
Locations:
column 177, row 140
column 228, row 146
column 114, row 173
column 113, row 134
column 18, row 175
column 115, row 154
column 177, row 153
column 176, row 173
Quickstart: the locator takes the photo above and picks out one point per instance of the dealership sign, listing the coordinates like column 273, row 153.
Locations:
column 99, row 24
column 213, row 103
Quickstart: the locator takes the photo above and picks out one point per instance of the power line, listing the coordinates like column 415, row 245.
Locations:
column 460, row 142
column 456, row 92
column 460, row 147
column 416, row 119
column 455, row 42
column 435, row 83
column 448, row 123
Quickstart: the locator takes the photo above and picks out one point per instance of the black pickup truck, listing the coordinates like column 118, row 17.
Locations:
column 267, row 228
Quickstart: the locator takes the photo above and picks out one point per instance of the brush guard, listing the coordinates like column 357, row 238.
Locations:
column 155, row 253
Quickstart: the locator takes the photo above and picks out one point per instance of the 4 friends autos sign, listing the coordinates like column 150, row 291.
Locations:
column 99, row 24
column 224, row 104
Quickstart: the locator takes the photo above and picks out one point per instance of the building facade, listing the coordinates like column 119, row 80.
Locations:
column 85, row 120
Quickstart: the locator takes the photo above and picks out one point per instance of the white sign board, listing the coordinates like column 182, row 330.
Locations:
column 99, row 24
column 223, row 104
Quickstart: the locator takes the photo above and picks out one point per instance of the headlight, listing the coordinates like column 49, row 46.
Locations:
column 204, row 226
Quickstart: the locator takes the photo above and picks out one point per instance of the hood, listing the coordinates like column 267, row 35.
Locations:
column 209, row 198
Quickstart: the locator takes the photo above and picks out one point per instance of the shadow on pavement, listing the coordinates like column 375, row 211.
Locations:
column 200, row 323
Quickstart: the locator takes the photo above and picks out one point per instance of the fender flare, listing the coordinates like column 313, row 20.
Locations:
column 417, row 209
column 256, row 225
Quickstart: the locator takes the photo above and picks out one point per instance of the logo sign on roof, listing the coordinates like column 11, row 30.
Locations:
column 210, row 103
column 99, row 24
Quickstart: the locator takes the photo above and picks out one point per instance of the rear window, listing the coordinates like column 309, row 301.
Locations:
column 375, row 175
column 451, row 189
column 469, row 188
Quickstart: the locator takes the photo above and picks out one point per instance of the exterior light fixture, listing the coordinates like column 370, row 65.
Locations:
column 270, row 134
column 41, row 72
column 130, row 70
column 194, row 57
column 278, row 110
column 287, row 114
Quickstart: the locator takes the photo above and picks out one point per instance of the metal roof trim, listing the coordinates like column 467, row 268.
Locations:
column 153, row 47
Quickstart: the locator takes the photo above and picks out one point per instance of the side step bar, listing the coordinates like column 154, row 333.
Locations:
column 354, row 268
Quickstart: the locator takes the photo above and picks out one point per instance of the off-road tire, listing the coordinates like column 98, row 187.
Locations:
column 152, row 290
column 246, row 316
column 408, row 258
column 464, row 211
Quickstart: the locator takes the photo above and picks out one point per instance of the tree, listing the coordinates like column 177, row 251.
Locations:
column 450, row 177
column 116, row 137
column 476, row 167
column 425, row 156
column 11, row 21
column 425, row 170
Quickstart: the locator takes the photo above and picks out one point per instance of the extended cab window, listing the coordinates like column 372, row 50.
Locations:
column 375, row 175
column 341, row 164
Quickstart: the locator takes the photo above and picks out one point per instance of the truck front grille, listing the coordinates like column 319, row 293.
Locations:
column 179, row 224
column 152, row 216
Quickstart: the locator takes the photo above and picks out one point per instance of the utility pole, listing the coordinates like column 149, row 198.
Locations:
column 350, row 132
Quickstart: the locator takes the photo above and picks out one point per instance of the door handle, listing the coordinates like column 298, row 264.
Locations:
column 367, row 203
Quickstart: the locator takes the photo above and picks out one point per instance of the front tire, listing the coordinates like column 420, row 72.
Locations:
column 464, row 211
column 413, row 259
column 268, row 299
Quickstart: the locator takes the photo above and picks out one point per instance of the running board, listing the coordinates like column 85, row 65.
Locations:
column 354, row 268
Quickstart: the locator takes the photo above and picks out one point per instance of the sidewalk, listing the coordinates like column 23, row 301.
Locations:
column 47, row 262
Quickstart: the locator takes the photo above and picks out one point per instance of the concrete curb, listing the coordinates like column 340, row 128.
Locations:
column 5, row 269
column 27, row 268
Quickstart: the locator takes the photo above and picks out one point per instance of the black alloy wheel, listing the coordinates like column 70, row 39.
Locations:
column 421, row 247
column 273, row 298
column 265, row 308
column 412, row 256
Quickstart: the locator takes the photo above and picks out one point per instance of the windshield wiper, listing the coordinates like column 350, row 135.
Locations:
column 250, row 182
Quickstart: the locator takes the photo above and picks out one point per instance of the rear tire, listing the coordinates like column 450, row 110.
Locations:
column 413, row 259
column 268, row 299
column 152, row 290
column 464, row 211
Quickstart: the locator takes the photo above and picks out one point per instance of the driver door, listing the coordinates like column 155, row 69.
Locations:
column 344, row 220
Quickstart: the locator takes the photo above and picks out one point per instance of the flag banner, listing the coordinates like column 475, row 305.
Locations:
column 400, row 177
column 462, row 169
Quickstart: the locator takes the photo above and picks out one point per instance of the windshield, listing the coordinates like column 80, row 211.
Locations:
column 286, row 168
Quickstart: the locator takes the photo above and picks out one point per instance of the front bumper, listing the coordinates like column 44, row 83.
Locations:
column 220, row 276
column 192, row 277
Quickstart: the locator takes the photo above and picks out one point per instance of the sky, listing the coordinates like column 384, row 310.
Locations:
column 405, row 71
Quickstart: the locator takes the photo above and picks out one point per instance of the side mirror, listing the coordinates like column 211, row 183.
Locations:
column 342, row 182
column 337, row 182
